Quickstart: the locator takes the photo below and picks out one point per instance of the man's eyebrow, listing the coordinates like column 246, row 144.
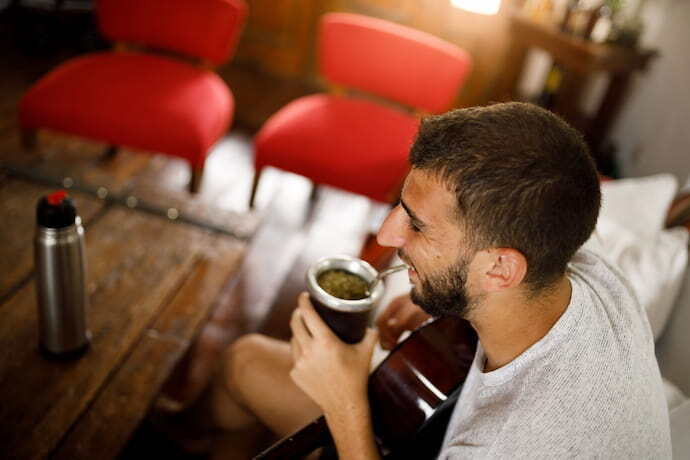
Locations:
column 416, row 220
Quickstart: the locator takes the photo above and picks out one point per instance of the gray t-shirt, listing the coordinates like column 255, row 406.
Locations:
column 590, row 388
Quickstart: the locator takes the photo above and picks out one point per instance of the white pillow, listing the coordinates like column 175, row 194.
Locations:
column 630, row 234
column 639, row 204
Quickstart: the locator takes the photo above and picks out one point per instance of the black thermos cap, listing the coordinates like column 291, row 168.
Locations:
column 56, row 210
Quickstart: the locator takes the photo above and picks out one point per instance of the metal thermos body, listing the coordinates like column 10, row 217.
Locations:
column 60, row 262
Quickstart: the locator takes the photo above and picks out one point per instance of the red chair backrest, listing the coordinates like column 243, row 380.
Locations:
column 397, row 62
column 206, row 29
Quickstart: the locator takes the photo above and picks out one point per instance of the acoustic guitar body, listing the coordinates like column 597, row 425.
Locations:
column 410, row 389
column 411, row 393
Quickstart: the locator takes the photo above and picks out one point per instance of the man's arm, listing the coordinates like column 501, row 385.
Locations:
column 353, row 432
column 335, row 374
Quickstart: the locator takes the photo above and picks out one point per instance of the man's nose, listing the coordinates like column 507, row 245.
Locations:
column 392, row 233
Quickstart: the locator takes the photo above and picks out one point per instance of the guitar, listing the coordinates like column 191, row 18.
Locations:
column 412, row 394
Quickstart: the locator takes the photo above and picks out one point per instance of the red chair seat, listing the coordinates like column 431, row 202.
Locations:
column 153, row 103
column 366, row 143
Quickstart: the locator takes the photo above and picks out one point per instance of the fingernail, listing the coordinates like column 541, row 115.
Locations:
column 392, row 322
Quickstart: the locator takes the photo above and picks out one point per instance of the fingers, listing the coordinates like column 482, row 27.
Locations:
column 312, row 320
column 300, row 333
column 368, row 342
column 388, row 333
column 388, row 322
column 295, row 350
column 401, row 315
column 393, row 323
column 370, row 338
column 418, row 318
column 391, row 310
column 389, row 340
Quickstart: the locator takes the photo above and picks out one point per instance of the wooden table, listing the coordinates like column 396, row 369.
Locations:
column 152, row 283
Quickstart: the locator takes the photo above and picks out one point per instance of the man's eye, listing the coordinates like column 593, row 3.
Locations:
column 413, row 227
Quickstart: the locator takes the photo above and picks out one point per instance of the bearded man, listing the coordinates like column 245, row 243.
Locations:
column 491, row 219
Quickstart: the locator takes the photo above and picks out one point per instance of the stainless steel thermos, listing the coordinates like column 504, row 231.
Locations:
column 60, row 262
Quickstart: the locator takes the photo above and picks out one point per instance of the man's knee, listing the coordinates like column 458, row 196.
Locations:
column 241, row 359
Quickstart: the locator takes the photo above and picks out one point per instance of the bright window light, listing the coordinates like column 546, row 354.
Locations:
column 478, row 6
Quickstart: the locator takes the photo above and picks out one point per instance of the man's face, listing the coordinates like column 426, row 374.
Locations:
column 429, row 239
column 444, row 293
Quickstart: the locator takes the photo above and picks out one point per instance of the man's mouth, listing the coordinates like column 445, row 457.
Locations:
column 411, row 270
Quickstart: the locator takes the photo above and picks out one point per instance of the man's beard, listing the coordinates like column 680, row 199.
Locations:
column 445, row 294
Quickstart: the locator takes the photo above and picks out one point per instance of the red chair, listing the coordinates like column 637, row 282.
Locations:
column 356, row 143
column 133, row 97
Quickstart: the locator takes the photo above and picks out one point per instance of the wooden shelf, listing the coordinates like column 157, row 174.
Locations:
column 576, row 53
column 579, row 59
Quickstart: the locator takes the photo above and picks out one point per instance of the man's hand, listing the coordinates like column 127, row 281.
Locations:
column 401, row 315
column 327, row 369
column 335, row 375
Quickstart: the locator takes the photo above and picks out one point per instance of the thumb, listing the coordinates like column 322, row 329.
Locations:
column 370, row 338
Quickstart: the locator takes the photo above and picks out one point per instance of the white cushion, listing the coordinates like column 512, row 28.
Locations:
column 630, row 234
column 640, row 203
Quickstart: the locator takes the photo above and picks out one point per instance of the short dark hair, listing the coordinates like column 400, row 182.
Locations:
column 523, row 179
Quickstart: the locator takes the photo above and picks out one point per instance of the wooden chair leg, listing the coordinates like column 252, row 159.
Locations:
column 29, row 139
column 314, row 193
column 255, row 186
column 195, row 181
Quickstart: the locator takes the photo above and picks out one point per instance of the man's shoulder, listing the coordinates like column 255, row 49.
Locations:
column 598, row 400
column 607, row 294
column 590, row 265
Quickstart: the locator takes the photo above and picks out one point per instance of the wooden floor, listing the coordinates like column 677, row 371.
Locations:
column 292, row 230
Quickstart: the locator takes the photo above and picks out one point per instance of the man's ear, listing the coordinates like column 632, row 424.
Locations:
column 507, row 268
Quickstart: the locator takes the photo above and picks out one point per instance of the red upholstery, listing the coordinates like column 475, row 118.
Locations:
column 143, row 100
column 352, row 143
column 149, row 102
column 206, row 29
column 394, row 61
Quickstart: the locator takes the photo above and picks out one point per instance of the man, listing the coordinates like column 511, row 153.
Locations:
column 497, row 203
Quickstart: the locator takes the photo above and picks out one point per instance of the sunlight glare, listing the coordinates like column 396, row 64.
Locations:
column 478, row 6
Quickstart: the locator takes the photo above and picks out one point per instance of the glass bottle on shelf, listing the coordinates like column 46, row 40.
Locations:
column 547, row 97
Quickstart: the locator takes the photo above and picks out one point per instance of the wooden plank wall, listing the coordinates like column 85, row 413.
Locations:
column 279, row 38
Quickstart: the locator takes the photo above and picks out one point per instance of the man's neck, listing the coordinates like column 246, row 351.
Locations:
column 508, row 324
